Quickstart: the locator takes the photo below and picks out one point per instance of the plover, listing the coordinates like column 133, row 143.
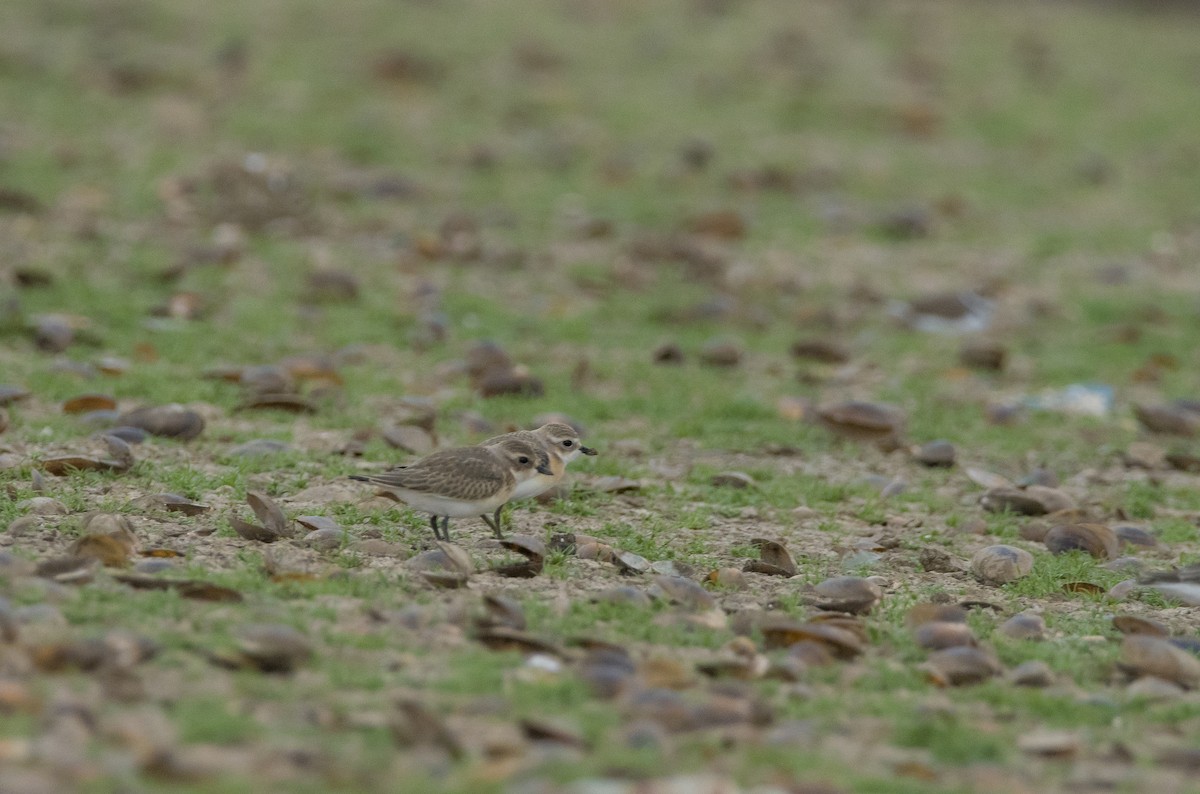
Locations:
column 464, row 481
column 560, row 442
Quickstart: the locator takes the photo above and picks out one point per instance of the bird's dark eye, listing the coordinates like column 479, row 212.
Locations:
column 568, row 443
column 524, row 459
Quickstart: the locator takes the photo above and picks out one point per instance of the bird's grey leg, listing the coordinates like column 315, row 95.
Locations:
column 493, row 521
column 434, row 523
column 446, row 528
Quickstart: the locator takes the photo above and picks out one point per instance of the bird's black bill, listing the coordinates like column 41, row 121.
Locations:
column 587, row 450
column 544, row 469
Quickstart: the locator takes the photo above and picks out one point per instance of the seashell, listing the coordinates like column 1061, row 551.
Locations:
column 961, row 665
column 188, row 588
column 732, row 479
column 68, row 570
column 1168, row 419
column 130, row 435
column 1136, row 536
column 721, row 353
column 1096, row 539
column 1041, row 476
column 537, row 729
column 731, row 578
column 935, row 454
column 504, row 638
column 88, row 402
column 810, row 653
column 776, row 555
column 409, row 438
column 1146, row 655
column 1052, row 499
column 629, row 563
column 11, row 394
column 177, row 504
column 1023, row 626
column 1123, row 589
column 983, row 354
column 667, row 353
column 168, row 421
column 325, row 539
column 500, row 610
column 624, row 594
column 940, row 634
column 845, row 622
column 608, row 672
column 1034, row 673
column 1012, row 500
column 268, row 512
column 1131, row 624
column 987, row 479
column 259, row 447
column 1090, row 588
column 253, row 531
column 273, row 648
column 786, row 632
column 1127, row 565
column 1150, row 687
column 63, row 465
column 528, row 546
column 295, row 403
column 852, row 594
column 826, row 351
column 1034, row 531
column 1183, row 460
column 1000, row 564
column 862, row 421
column 935, row 560
column 589, row 550
column 44, row 506
column 447, row 566
column 685, row 592
column 929, row 612
column 1061, row 745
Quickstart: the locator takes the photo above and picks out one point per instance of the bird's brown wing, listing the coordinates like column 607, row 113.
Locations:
column 458, row 474
column 521, row 435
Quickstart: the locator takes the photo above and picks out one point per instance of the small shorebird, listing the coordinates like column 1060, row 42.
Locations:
column 561, row 443
column 464, row 481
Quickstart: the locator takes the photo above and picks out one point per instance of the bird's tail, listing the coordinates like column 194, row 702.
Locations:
column 360, row 478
